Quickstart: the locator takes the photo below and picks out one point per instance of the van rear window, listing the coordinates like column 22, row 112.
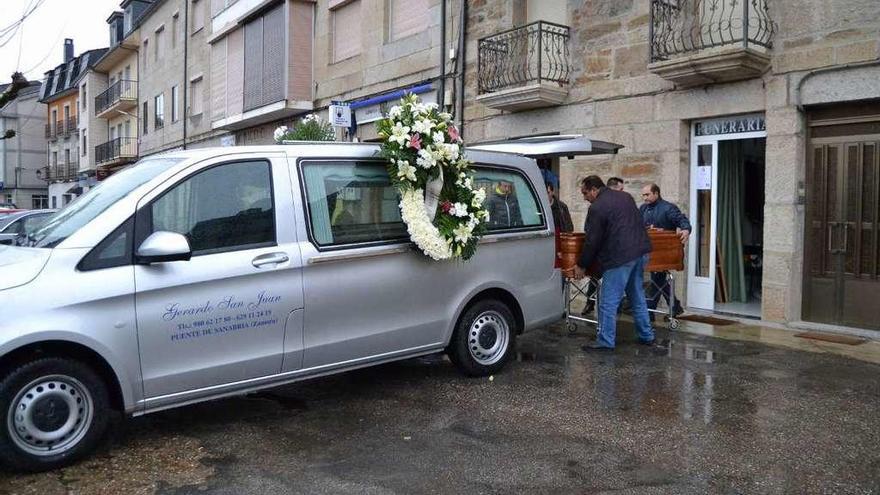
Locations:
column 510, row 201
column 352, row 202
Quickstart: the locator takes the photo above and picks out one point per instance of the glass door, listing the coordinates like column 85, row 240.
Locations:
column 702, row 248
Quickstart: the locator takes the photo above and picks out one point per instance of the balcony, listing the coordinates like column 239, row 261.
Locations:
column 525, row 67
column 61, row 172
column 51, row 132
column 120, row 97
column 66, row 128
column 116, row 152
column 696, row 42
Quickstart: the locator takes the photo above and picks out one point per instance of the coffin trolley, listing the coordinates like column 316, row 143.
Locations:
column 667, row 256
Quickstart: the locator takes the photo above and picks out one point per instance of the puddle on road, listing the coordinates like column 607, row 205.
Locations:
column 534, row 357
column 139, row 466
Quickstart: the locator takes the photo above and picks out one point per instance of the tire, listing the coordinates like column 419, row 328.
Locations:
column 484, row 338
column 53, row 411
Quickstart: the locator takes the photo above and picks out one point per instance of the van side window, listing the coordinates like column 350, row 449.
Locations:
column 510, row 201
column 224, row 208
column 351, row 202
column 115, row 250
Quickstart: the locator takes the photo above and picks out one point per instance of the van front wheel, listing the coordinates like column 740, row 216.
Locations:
column 484, row 338
column 54, row 410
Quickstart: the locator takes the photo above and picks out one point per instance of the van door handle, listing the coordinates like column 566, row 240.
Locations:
column 269, row 259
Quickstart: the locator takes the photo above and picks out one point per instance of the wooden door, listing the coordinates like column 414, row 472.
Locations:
column 842, row 256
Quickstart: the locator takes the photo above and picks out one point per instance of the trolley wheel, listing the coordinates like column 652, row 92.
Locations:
column 673, row 324
column 572, row 328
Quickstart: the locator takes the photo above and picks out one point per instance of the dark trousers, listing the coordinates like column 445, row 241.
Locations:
column 660, row 287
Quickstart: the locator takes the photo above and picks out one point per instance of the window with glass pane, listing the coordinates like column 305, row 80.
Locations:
column 224, row 208
column 352, row 202
column 510, row 201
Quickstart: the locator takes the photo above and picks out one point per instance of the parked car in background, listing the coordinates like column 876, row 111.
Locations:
column 19, row 224
column 8, row 205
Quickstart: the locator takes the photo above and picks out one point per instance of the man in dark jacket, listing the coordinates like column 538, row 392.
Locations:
column 561, row 216
column 657, row 213
column 616, row 239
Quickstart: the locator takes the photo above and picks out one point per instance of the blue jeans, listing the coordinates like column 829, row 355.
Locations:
column 628, row 279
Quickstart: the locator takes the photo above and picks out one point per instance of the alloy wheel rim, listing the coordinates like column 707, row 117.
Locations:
column 50, row 415
column 488, row 338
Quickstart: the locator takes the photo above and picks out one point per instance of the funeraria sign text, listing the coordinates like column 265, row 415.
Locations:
column 730, row 125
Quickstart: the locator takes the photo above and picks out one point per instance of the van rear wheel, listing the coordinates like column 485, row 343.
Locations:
column 484, row 338
column 54, row 411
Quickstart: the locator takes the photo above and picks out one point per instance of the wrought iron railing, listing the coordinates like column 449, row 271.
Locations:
column 120, row 90
column 115, row 149
column 50, row 133
column 70, row 126
column 679, row 27
column 61, row 171
column 533, row 53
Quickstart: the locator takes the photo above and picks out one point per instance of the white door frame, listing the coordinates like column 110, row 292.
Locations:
column 701, row 290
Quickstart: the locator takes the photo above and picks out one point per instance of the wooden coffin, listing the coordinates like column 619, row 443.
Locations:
column 667, row 252
column 568, row 251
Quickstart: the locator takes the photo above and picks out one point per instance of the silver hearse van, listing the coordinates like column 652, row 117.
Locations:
column 200, row 274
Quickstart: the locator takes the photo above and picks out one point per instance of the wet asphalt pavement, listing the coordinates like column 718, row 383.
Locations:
column 705, row 416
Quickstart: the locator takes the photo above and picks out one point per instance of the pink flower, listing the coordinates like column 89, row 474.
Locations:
column 415, row 141
column 446, row 206
column 453, row 133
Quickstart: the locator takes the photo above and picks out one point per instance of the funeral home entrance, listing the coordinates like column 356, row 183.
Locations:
column 727, row 214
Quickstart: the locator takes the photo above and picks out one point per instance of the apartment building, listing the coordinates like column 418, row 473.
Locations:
column 23, row 157
column 60, row 93
column 174, row 58
column 114, row 93
column 761, row 119
column 275, row 61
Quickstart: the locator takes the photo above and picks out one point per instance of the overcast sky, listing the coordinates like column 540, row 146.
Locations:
column 41, row 38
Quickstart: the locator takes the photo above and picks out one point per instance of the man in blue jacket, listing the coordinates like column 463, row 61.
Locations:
column 616, row 239
column 657, row 213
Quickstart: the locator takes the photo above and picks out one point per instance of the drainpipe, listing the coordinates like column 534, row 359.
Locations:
column 461, row 57
column 441, row 91
column 185, row 67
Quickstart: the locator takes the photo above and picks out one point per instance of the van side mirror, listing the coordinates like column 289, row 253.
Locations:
column 163, row 246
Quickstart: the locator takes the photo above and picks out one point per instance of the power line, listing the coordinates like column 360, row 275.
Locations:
column 8, row 33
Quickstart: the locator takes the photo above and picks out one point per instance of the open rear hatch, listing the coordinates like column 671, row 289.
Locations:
column 570, row 145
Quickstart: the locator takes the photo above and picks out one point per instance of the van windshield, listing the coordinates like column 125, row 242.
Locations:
column 91, row 204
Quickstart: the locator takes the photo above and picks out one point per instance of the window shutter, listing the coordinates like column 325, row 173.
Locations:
column 253, row 64
column 218, row 79
column 273, row 56
column 347, row 31
column 235, row 72
column 408, row 17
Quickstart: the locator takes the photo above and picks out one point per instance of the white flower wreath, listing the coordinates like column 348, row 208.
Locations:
column 443, row 212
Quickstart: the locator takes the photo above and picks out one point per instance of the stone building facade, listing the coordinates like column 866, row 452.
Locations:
column 665, row 80
column 175, row 72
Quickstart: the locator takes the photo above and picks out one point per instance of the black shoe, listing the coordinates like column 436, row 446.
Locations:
column 653, row 344
column 588, row 309
column 678, row 311
column 596, row 347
